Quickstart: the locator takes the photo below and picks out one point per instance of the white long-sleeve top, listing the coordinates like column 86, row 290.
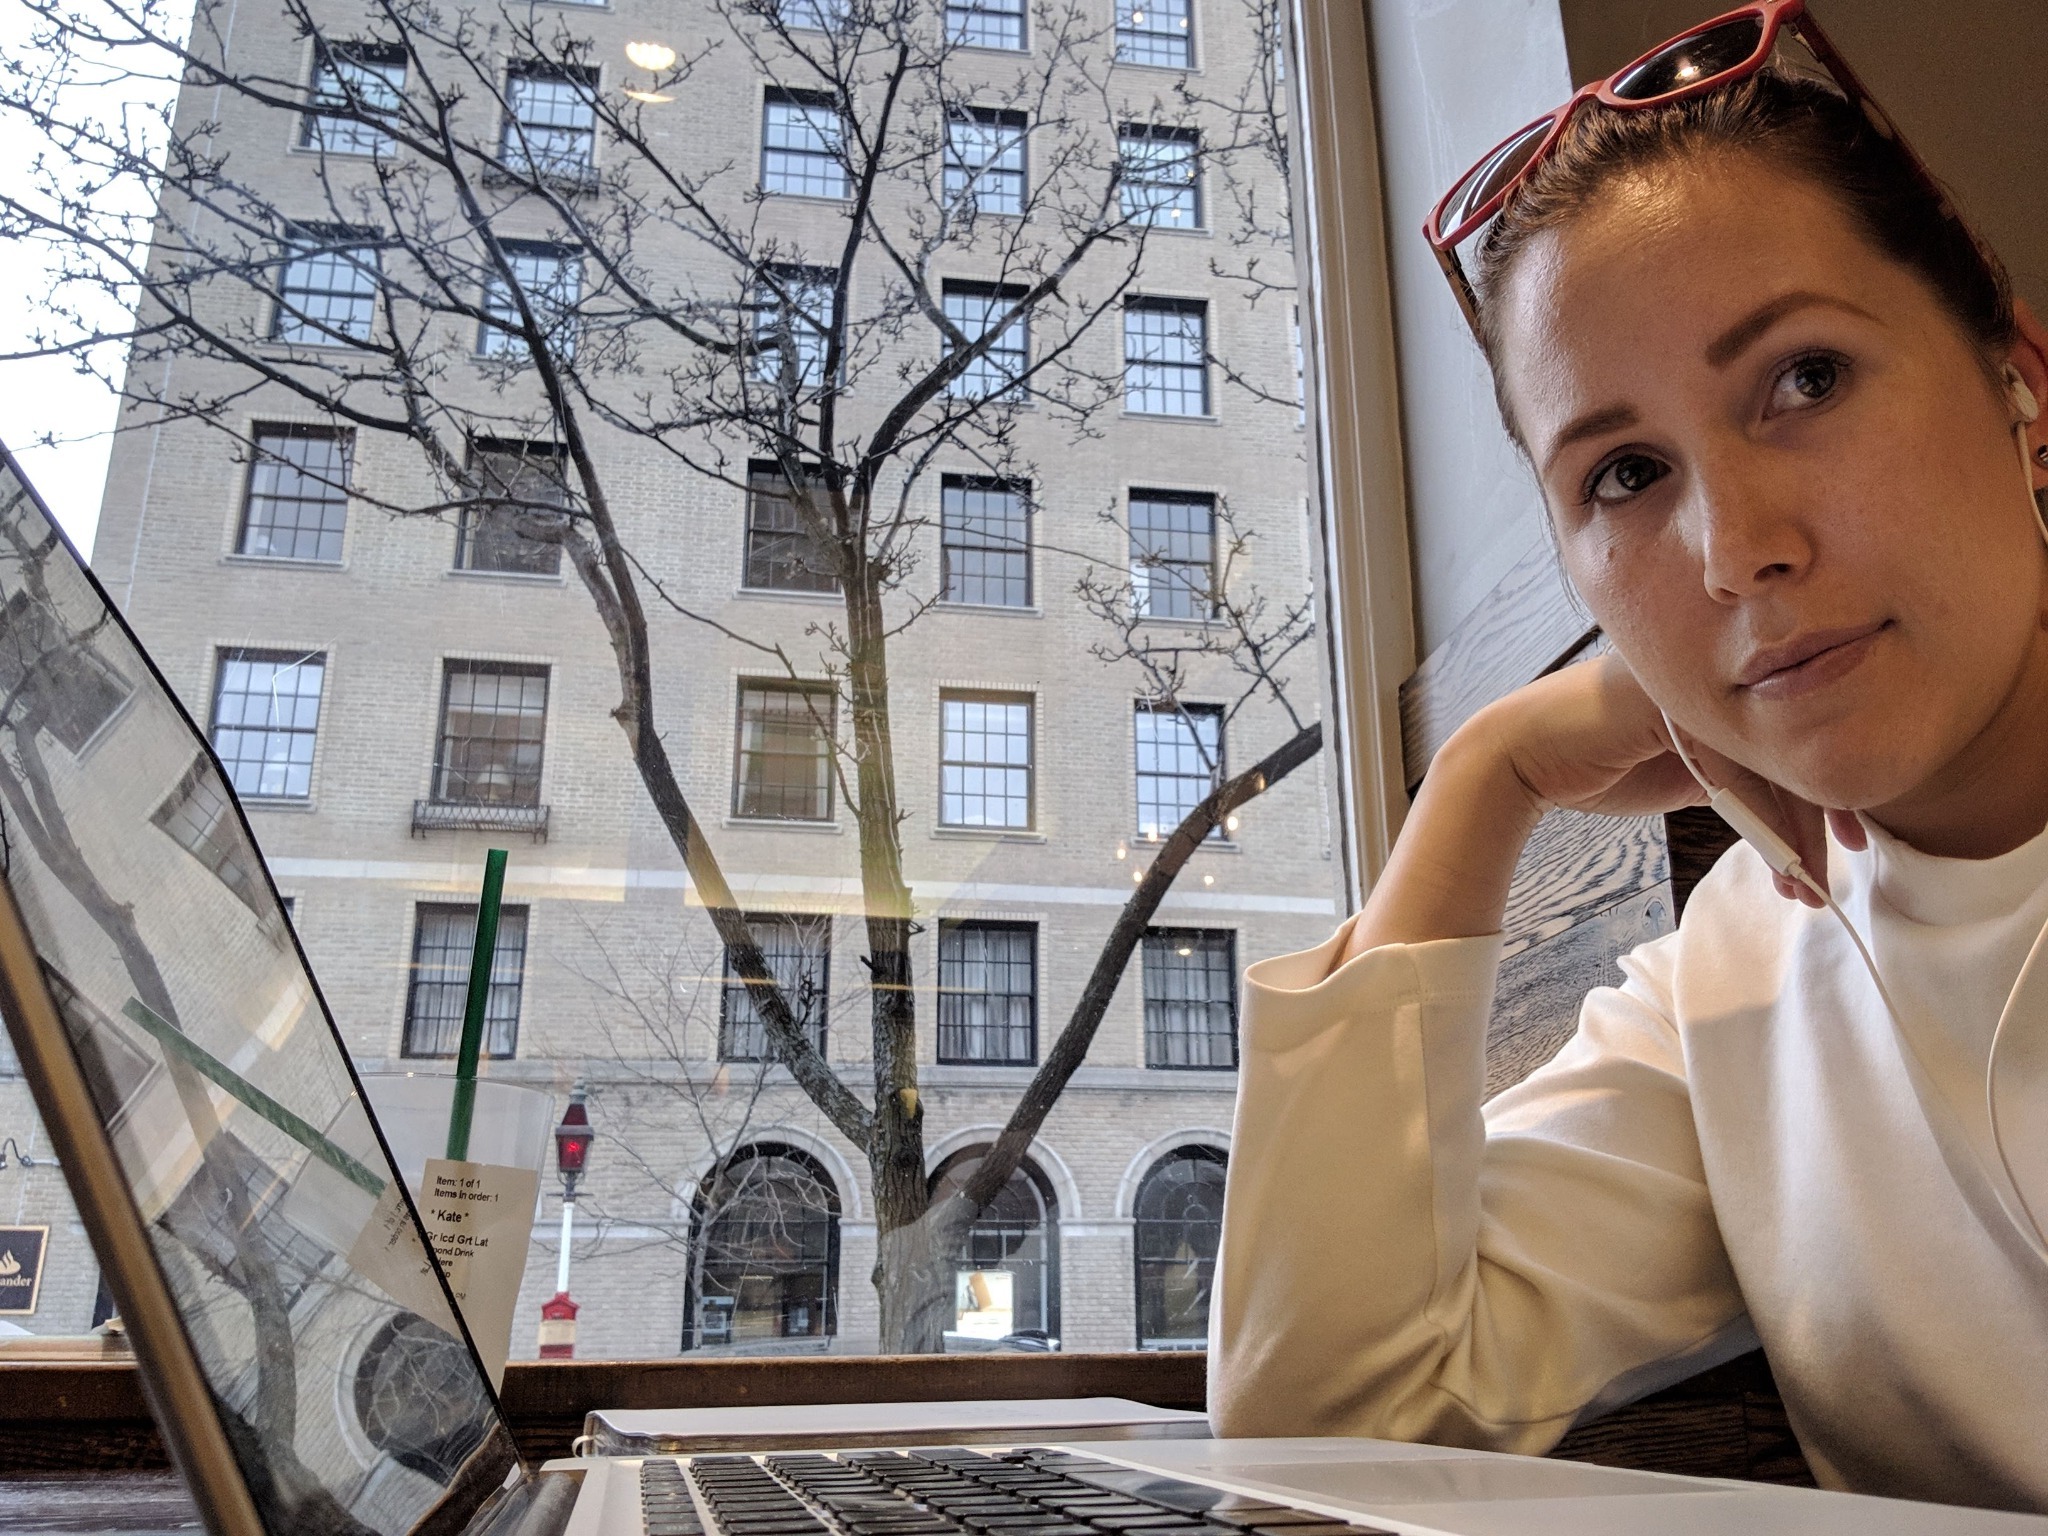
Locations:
column 1735, row 1145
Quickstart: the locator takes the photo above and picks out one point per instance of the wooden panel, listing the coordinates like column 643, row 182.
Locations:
column 1522, row 629
column 1727, row 1422
column 1577, row 866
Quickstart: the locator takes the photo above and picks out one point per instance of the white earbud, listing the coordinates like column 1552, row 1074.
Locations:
column 2022, row 397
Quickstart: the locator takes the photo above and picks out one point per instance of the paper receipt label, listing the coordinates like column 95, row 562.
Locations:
column 479, row 1218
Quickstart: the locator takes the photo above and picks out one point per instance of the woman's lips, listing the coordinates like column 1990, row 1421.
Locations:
column 1809, row 663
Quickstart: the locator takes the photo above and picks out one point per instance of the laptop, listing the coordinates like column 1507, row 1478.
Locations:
column 304, row 1361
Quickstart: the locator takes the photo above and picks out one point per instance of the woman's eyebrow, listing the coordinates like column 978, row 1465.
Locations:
column 1592, row 424
column 1736, row 340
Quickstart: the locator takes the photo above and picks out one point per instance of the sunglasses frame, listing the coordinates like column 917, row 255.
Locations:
column 1775, row 16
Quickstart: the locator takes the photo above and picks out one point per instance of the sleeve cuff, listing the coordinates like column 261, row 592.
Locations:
column 1290, row 998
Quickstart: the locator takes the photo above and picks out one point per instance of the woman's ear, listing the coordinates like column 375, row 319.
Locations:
column 2029, row 357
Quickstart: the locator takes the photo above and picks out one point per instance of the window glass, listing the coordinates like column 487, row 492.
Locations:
column 356, row 84
column 327, row 289
column 988, row 992
column 52, row 679
column 198, row 817
column 443, row 942
column 792, row 319
column 784, row 769
column 985, row 160
column 1157, row 32
column 985, row 541
column 1190, row 998
column 986, row 23
column 493, row 716
column 1180, row 760
column 266, row 710
column 782, row 554
column 1006, row 1283
column 798, row 952
column 1159, row 182
column 985, row 761
column 505, row 531
column 551, row 278
column 297, row 507
column 1179, row 1226
column 767, row 1239
column 1166, row 357
column 550, row 122
column 997, row 371
column 1173, row 553
column 800, row 148
column 815, row 15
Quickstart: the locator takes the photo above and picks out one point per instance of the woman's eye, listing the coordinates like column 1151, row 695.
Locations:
column 1807, row 382
column 1620, row 478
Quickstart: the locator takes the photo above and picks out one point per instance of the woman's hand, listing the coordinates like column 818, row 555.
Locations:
column 1587, row 738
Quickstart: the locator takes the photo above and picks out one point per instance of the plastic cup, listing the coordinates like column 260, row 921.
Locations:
column 512, row 1128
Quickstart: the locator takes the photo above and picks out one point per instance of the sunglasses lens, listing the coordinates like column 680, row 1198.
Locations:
column 1497, row 170
column 1692, row 59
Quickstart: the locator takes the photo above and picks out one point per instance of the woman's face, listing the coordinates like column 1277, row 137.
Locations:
column 1780, row 477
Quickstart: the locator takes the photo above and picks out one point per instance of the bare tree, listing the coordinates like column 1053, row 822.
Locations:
column 480, row 283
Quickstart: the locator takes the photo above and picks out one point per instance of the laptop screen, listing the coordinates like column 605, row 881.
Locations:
column 352, row 1400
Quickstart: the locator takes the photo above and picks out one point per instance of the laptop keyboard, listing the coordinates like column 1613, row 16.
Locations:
column 952, row 1492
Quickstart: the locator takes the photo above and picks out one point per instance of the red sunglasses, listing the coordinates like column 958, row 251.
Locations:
column 1729, row 47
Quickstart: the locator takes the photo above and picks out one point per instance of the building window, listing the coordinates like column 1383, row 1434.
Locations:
column 985, row 23
column 801, row 139
column 1173, row 545
column 1179, row 1224
column 767, row 1260
column 997, row 372
column 1159, row 185
column 297, row 505
column 365, row 80
column 1190, row 998
column 988, row 992
column 198, row 817
column 266, row 711
column 327, row 296
column 798, row 950
column 493, row 535
column 792, row 326
column 493, row 715
column 550, row 121
column 1006, row 1269
column 53, row 678
column 985, row 760
column 1180, row 760
column 443, row 940
column 783, row 770
column 1158, row 32
column 985, row 541
column 1166, row 352
column 985, row 160
column 551, row 278
column 815, row 15
column 782, row 553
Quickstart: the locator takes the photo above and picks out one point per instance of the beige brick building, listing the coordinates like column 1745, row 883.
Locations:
column 393, row 695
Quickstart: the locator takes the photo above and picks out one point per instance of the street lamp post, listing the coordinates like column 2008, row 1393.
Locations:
column 572, row 1149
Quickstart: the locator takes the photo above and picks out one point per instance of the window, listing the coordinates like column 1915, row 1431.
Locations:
column 792, row 325
column 551, row 278
column 782, row 554
column 198, row 817
column 1173, row 543
column 985, row 23
column 493, row 715
column 443, row 940
column 365, row 80
column 1156, row 32
column 985, row 760
column 494, row 536
column 266, row 709
column 550, row 121
column 798, row 950
column 997, row 372
column 767, row 1260
column 327, row 296
column 52, row 678
column 1179, row 1213
column 1006, row 1269
column 297, row 506
column 985, row 541
column 1159, row 186
column 988, row 992
column 801, row 135
column 985, row 160
column 1166, row 347
column 1180, row 759
column 1190, row 998
column 783, row 770
column 815, row 15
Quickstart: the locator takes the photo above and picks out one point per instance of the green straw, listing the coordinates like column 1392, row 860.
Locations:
column 464, row 1108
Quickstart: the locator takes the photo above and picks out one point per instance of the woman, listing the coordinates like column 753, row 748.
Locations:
column 1776, row 400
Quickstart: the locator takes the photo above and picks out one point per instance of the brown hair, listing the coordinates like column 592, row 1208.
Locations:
column 1795, row 123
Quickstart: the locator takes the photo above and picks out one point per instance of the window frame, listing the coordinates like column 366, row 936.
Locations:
column 805, row 283
column 340, row 247
column 827, row 736
column 1157, row 939
column 1142, row 1264
column 1168, row 375
column 1008, row 132
column 1015, row 388
column 950, row 547
column 472, row 520
column 227, row 656
column 817, row 1025
column 1126, row 35
column 261, row 457
column 1017, row 929
column 502, row 340
column 516, row 133
column 1009, row 697
column 1145, row 214
column 825, row 583
column 1184, row 714
column 482, row 667
column 1144, row 562
column 949, row 18
column 774, row 96
column 328, row 58
column 455, row 979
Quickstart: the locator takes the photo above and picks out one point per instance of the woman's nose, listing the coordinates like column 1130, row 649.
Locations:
column 1749, row 538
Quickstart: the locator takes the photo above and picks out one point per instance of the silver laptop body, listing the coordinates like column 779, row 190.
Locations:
column 309, row 1372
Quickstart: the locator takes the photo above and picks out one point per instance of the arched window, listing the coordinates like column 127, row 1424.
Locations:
column 764, row 1256
column 1006, row 1271
column 1179, row 1221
